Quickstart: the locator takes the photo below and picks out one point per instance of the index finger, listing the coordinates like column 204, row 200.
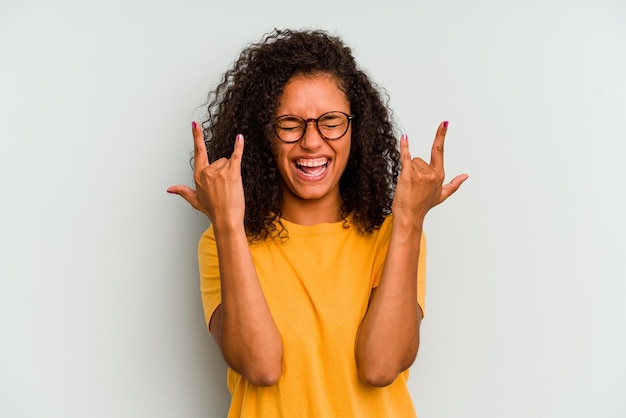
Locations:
column 436, row 153
column 200, row 159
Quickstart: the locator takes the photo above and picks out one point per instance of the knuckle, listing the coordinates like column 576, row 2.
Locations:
column 202, row 174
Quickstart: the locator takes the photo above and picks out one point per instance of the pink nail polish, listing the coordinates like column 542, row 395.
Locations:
column 239, row 137
column 404, row 137
column 193, row 125
column 445, row 124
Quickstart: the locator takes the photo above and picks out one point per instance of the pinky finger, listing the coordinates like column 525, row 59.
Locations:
column 405, row 154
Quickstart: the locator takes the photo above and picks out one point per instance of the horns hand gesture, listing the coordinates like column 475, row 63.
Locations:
column 219, row 189
column 420, row 184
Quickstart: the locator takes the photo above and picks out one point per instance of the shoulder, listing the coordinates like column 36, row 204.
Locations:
column 384, row 232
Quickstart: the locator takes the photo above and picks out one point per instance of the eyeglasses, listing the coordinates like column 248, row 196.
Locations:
column 330, row 125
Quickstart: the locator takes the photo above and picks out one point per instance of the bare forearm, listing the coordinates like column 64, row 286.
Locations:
column 246, row 332
column 388, row 337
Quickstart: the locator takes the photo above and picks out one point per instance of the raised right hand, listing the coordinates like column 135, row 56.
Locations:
column 219, row 188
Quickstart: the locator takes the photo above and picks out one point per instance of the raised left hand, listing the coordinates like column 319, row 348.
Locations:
column 420, row 184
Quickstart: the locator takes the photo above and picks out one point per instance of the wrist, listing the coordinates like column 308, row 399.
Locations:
column 227, row 226
column 407, row 232
column 410, row 223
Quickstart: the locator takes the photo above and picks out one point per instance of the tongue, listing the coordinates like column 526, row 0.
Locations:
column 312, row 171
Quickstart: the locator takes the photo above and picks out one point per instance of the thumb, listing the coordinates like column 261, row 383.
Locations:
column 453, row 186
column 189, row 195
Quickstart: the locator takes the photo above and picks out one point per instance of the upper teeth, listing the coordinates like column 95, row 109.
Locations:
column 317, row 162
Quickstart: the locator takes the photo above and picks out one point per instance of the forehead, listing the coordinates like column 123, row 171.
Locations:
column 311, row 95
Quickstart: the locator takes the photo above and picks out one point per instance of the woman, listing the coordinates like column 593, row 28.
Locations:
column 312, row 272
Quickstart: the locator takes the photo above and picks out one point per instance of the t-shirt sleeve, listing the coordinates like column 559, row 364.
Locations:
column 381, row 253
column 209, row 274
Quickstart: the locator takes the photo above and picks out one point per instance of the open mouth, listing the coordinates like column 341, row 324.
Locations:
column 312, row 167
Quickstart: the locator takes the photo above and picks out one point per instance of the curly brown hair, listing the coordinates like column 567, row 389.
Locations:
column 246, row 101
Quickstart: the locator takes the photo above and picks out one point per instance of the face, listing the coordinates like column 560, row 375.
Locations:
column 310, row 169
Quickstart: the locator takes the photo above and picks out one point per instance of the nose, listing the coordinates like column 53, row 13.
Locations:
column 312, row 138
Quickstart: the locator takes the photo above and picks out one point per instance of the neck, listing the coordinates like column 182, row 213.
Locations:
column 311, row 211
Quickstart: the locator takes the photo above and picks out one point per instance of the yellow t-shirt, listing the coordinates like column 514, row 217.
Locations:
column 317, row 285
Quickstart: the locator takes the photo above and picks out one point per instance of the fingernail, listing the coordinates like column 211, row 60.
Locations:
column 445, row 124
column 239, row 137
column 193, row 125
column 404, row 137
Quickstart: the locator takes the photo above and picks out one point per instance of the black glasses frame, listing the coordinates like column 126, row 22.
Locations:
column 316, row 120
